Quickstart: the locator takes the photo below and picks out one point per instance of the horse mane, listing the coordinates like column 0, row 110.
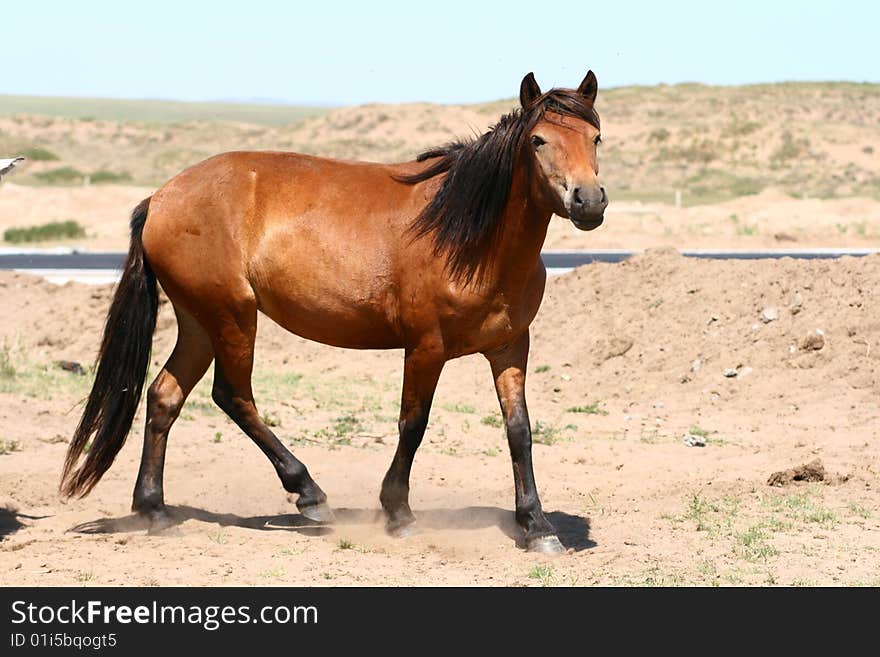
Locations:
column 465, row 215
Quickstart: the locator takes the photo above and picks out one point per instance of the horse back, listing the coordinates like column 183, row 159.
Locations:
column 316, row 243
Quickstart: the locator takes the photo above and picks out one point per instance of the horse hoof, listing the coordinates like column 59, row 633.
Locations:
column 161, row 523
column 404, row 531
column 545, row 545
column 321, row 512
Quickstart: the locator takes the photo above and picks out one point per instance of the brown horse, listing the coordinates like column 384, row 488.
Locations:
column 440, row 257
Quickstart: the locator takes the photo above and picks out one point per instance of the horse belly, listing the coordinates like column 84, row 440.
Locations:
column 341, row 318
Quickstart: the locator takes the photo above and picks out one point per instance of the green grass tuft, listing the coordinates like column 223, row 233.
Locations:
column 270, row 419
column 459, row 408
column 7, row 369
column 492, row 421
column 61, row 176
column 102, row 177
column 753, row 546
column 545, row 434
column 590, row 409
column 8, row 446
column 347, row 424
column 38, row 154
column 543, row 573
column 55, row 230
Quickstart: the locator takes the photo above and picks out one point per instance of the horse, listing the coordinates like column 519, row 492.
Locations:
column 439, row 256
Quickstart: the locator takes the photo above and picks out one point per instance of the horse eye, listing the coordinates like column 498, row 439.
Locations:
column 597, row 140
column 537, row 141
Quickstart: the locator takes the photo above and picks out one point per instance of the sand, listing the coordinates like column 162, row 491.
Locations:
column 648, row 351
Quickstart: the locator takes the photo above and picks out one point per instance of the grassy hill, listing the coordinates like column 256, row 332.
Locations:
column 153, row 111
column 712, row 143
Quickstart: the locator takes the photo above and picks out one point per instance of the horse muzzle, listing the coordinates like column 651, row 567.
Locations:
column 588, row 223
column 586, row 207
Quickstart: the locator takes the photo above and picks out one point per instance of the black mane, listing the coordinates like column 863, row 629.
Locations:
column 464, row 216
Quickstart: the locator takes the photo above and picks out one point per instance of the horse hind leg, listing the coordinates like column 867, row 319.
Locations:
column 165, row 397
column 233, row 341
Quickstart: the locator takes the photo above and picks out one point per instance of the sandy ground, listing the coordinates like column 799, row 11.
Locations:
column 626, row 361
column 771, row 219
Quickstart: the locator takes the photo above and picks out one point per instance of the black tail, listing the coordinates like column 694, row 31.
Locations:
column 122, row 368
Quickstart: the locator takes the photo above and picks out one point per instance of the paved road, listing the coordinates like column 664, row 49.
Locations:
column 571, row 259
column 552, row 259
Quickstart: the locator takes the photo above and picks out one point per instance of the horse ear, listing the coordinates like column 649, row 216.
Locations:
column 529, row 90
column 589, row 87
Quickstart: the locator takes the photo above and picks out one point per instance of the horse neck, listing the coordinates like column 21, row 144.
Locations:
column 524, row 228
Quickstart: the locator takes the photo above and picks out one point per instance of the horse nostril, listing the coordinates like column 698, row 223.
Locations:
column 576, row 196
column 604, row 196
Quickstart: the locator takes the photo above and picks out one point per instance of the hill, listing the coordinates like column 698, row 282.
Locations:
column 714, row 143
column 153, row 111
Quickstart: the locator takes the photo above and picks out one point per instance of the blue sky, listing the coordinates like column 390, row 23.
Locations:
column 443, row 51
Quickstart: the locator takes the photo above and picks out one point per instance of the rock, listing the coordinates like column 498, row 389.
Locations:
column 797, row 302
column 812, row 471
column 730, row 372
column 693, row 440
column 813, row 341
column 71, row 366
column 769, row 314
column 659, row 404
column 612, row 348
column 696, row 365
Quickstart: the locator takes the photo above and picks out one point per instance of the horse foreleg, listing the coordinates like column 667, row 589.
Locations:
column 165, row 397
column 509, row 371
column 420, row 375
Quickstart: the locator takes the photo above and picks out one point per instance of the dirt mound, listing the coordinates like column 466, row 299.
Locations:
column 689, row 320
column 658, row 316
column 812, row 471
column 626, row 361
column 49, row 322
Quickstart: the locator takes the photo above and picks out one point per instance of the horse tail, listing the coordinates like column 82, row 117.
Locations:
column 121, row 369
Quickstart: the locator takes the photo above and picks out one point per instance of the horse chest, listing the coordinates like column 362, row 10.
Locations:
column 498, row 317
column 501, row 326
column 488, row 324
